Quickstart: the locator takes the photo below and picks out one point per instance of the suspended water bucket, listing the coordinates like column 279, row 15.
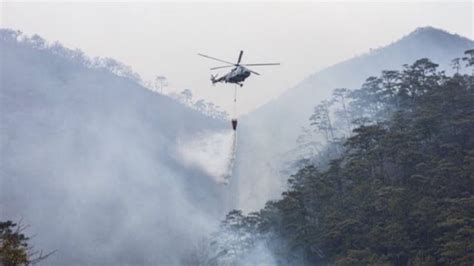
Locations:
column 234, row 123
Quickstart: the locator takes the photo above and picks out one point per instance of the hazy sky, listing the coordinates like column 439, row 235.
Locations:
column 164, row 38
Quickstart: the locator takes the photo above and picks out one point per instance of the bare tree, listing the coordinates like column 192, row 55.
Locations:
column 160, row 83
column 456, row 64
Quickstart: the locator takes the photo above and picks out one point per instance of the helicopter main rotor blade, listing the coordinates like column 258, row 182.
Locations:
column 217, row 59
column 240, row 57
column 253, row 72
column 212, row 68
column 263, row 64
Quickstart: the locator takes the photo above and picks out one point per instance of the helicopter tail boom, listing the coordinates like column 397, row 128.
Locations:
column 215, row 79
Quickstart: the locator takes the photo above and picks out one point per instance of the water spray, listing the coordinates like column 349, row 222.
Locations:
column 213, row 152
column 231, row 158
column 233, row 148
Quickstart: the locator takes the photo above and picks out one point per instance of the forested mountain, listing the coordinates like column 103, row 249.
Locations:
column 383, row 172
column 269, row 134
column 88, row 159
column 399, row 191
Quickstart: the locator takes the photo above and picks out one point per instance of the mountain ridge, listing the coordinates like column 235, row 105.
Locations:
column 272, row 129
column 420, row 32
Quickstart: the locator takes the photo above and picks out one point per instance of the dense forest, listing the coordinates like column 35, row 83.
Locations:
column 388, row 181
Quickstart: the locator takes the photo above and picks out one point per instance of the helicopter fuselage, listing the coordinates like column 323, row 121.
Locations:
column 236, row 75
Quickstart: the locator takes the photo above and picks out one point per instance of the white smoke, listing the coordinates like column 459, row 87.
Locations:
column 212, row 152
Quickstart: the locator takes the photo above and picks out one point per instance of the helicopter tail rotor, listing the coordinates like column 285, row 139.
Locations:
column 213, row 79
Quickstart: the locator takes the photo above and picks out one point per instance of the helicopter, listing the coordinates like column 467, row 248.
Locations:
column 239, row 72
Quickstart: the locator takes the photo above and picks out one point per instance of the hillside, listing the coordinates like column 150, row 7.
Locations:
column 268, row 135
column 400, row 191
column 88, row 159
